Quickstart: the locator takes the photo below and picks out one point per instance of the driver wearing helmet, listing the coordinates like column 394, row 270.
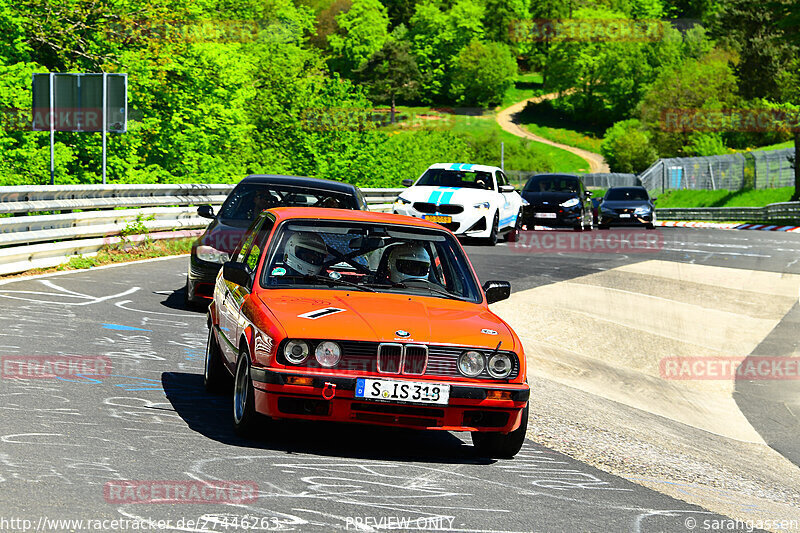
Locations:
column 408, row 261
column 305, row 253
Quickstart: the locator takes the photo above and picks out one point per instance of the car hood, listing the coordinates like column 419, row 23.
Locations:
column 224, row 235
column 446, row 195
column 625, row 204
column 345, row 315
column 551, row 198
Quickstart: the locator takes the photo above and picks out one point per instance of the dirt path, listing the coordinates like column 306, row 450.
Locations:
column 507, row 120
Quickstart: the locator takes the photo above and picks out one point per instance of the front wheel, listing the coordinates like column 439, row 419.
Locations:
column 244, row 410
column 513, row 235
column 215, row 375
column 492, row 239
column 502, row 445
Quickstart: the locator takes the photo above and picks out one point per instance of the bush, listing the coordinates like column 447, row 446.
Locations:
column 626, row 147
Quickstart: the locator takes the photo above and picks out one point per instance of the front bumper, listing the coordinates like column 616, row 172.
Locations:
column 615, row 219
column 468, row 223
column 201, row 279
column 569, row 217
column 468, row 409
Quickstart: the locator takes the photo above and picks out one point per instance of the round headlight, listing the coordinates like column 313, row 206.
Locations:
column 471, row 364
column 296, row 351
column 500, row 366
column 328, row 353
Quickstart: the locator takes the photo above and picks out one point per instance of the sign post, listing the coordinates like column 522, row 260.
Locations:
column 80, row 102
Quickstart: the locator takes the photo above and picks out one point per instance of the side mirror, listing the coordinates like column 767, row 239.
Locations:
column 507, row 188
column 236, row 273
column 407, row 183
column 205, row 211
column 654, row 198
column 496, row 291
column 588, row 194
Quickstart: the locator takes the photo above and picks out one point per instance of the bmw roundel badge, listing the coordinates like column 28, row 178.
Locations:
column 402, row 333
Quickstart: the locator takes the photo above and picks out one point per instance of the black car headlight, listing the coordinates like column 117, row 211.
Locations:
column 572, row 202
column 211, row 254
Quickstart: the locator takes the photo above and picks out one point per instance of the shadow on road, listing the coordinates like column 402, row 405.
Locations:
column 772, row 404
column 177, row 301
column 211, row 416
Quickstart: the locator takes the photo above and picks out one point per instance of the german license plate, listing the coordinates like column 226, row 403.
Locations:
column 624, row 215
column 402, row 391
column 545, row 215
column 438, row 219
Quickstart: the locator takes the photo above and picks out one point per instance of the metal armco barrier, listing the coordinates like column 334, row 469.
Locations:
column 32, row 240
column 781, row 212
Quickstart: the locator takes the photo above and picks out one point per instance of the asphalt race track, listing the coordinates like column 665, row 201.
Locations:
column 63, row 440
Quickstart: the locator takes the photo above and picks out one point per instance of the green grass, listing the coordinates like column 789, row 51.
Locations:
column 779, row 146
column 723, row 198
column 518, row 151
column 527, row 86
column 542, row 120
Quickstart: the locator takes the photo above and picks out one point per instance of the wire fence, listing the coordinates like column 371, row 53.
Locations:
column 760, row 169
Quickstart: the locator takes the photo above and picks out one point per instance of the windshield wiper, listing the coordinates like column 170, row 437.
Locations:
column 428, row 285
column 334, row 281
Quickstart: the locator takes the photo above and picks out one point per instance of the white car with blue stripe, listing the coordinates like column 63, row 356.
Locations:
column 469, row 200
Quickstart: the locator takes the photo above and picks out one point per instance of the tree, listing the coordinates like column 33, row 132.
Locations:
column 437, row 36
column 362, row 31
column 483, row 73
column 390, row 73
column 707, row 83
column 764, row 48
column 626, row 147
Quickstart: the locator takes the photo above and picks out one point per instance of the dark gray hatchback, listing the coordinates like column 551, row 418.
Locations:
column 251, row 196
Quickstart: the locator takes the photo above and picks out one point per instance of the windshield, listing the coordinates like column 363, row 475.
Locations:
column 616, row 195
column 442, row 177
column 552, row 184
column 249, row 199
column 369, row 257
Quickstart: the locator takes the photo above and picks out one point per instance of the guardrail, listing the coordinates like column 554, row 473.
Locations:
column 780, row 212
column 82, row 219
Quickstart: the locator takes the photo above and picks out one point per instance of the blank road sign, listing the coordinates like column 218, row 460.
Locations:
column 78, row 104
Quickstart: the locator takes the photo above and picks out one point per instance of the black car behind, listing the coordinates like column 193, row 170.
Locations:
column 626, row 206
column 556, row 200
column 251, row 196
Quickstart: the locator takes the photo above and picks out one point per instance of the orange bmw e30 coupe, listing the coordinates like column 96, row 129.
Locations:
column 352, row 316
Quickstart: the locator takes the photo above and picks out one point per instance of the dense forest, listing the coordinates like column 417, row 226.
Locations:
column 219, row 89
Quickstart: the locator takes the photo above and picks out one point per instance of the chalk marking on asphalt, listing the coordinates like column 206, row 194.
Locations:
column 712, row 253
column 62, row 292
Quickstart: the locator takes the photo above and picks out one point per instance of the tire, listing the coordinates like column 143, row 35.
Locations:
column 492, row 239
column 513, row 235
column 215, row 376
column 500, row 445
column 244, row 410
column 602, row 226
column 650, row 226
column 590, row 227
